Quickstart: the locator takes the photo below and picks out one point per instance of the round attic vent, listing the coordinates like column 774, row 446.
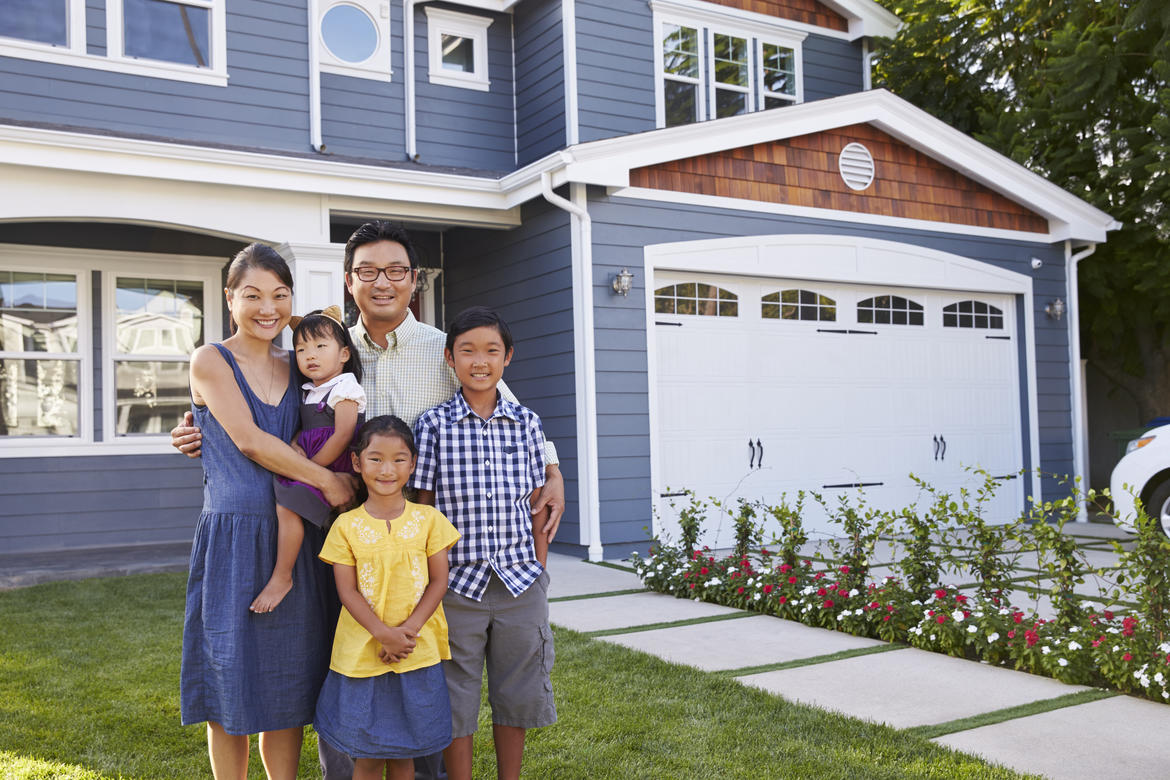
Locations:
column 856, row 166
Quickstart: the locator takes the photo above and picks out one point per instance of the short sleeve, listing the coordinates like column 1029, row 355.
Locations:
column 426, row 438
column 347, row 389
column 442, row 534
column 336, row 548
column 536, row 449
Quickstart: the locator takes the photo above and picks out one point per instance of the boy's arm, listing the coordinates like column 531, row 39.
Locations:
column 552, row 497
column 540, row 537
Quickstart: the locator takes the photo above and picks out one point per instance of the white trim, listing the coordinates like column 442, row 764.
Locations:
column 810, row 212
column 569, row 41
column 315, row 139
column 408, row 87
column 713, row 85
column 378, row 65
column 754, row 24
column 29, row 50
column 473, row 28
column 848, row 260
column 797, row 70
column 1080, row 415
column 216, row 71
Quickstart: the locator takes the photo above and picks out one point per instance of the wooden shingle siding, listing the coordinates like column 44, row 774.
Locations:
column 832, row 67
column 615, row 69
column 540, row 76
column 526, row 275
column 622, row 227
column 802, row 171
column 806, row 11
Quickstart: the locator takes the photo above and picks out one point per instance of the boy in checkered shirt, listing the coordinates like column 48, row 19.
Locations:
column 481, row 463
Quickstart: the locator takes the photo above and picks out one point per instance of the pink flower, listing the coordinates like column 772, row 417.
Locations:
column 792, row 580
column 740, row 590
column 703, row 570
column 821, row 591
column 940, row 593
column 1018, row 617
column 886, row 618
column 1127, row 657
column 1108, row 614
column 1012, row 634
column 691, row 586
column 844, row 570
column 828, row 603
column 767, row 589
column 930, row 613
column 782, row 599
column 1031, row 638
column 941, row 619
column 960, row 598
column 820, row 575
column 785, row 568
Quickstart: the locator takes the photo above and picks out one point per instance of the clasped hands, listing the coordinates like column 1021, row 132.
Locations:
column 397, row 643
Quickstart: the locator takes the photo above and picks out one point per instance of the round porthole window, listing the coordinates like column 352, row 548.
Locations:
column 349, row 33
column 856, row 166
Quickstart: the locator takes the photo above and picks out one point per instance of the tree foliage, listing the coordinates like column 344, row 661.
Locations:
column 1079, row 92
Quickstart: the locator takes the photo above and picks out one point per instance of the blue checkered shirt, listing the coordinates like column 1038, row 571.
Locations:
column 483, row 473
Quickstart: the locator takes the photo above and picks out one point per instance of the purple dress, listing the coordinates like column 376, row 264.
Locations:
column 316, row 427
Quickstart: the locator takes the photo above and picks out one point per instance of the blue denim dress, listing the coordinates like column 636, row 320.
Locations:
column 245, row 671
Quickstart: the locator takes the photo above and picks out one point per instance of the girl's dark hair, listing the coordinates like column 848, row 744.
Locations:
column 477, row 317
column 259, row 256
column 383, row 425
column 315, row 324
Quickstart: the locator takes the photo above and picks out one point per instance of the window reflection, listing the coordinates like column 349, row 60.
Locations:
column 159, row 316
column 38, row 397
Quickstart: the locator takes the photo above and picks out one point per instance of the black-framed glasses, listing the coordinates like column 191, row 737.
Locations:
column 395, row 273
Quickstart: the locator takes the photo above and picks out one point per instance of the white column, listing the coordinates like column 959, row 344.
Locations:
column 318, row 275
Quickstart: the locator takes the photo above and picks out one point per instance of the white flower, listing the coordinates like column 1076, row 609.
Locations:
column 1116, row 648
column 1159, row 677
column 932, row 637
column 1112, row 630
column 660, row 566
column 854, row 592
column 993, row 636
column 1074, row 630
column 916, row 602
column 751, row 580
column 1164, row 647
column 958, row 616
column 1062, row 662
column 1046, row 649
column 731, row 569
column 757, row 598
column 1074, row 645
column 972, row 629
column 714, row 581
column 1004, row 611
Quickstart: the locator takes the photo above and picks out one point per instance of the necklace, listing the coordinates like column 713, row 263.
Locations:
column 254, row 383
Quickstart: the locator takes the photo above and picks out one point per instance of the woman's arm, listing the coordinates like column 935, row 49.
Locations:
column 432, row 596
column 397, row 642
column 345, row 417
column 213, row 382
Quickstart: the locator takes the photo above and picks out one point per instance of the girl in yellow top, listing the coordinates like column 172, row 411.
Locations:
column 385, row 699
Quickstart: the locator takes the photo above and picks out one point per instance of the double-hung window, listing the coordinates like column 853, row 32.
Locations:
column 711, row 64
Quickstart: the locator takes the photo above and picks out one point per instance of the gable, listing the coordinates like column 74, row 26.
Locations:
column 802, row 171
column 806, row 11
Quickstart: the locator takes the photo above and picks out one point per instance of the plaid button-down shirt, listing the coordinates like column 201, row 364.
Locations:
column 409, row 375
column 483, row 473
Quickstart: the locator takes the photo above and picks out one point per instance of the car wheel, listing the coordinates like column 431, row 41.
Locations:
column 1158, row 505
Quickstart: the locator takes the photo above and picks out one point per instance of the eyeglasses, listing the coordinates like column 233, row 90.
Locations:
column 395, row 273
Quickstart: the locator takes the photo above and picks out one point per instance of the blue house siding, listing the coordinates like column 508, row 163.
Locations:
column 363, row 117
column 540, row 77
column 832, row 67
column 622, row 227
column 95, row 27
column 526, row 275
column 107, row 501
column 264, row 106
column 615, row 69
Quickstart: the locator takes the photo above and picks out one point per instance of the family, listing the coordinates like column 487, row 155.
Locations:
column 375, row 626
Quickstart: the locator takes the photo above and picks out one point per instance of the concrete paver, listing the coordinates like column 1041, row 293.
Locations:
column 569, row 576
column 752, row 641
column 908, row 687
column 1122, row 737
column 636, row 609
column 20, row 570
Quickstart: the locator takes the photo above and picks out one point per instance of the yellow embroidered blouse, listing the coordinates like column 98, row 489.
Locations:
column 392, row 575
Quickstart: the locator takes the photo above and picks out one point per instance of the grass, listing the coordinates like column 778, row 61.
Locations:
column 89, row 690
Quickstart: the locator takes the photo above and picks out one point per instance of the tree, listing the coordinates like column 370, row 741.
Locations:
column 1079, row 92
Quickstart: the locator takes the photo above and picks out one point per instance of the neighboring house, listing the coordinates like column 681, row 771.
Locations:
column 830, row 288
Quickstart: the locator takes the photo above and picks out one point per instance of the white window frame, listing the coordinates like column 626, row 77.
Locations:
column 442, row 22
column 711, row 19
column 76, row 53
column 714, row 85
column 377, row 66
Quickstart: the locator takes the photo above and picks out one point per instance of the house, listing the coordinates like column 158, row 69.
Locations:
column 828, row 287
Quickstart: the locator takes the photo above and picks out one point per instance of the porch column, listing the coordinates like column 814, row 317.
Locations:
column 318, row 275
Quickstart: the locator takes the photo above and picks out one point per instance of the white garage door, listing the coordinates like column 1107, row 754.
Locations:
column 770, row 386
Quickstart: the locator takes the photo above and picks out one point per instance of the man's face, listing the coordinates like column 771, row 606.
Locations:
column 381, row 301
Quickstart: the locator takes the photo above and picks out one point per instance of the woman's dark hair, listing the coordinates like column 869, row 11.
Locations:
column 259, row 256
column 372, row 233
column 317, row 325
column 383, row 425
column 477, row 317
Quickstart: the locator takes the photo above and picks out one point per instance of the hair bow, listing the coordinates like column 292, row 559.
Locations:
column 332, row 312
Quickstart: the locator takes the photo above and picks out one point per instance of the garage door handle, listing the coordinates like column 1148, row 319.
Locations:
column 935, row 447
column 752, row 457
column 760, row 447
column 942, row 440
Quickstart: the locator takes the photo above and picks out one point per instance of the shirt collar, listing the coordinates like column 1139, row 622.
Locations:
column 400, row 336
column 460, row 409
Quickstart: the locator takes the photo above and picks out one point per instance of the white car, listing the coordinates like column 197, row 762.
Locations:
column 1143, row 473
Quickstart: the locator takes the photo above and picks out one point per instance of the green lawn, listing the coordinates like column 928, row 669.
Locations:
column 89, row 677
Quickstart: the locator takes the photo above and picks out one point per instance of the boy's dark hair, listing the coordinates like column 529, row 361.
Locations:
column 383, row 425
column 372, row 233
column 316, row 324
column 477, row 317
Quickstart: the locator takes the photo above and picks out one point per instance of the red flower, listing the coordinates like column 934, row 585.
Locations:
column 941, row 619
column 1127, row 657
column 767, row 589
column 874, row 605
column 821, row 591
column 940, row 593
column 782, row 599
column 887, row 617
column 930, row 613
column 1108, row 614
column 1128, row 625
column 1031, row 638
column 792, row 580
column 820, row 575
column 844, row 570
column 734, row 575
column 842, row 592
column 1097, row 642
column 966, row 614
column 1012, row 634
column 765, row 551
column 691, row 586
column 740, row 590
column 960, row 598
column 1018, row 617
column 711, row 560
column 807, row 562
column 828, row 603
column 686, row 575
column 703, row 570
column 785, row 568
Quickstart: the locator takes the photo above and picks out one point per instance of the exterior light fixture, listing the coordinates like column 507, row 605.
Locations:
column 622, row 282
column 1055, row 310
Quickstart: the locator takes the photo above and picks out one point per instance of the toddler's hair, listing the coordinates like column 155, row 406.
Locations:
column 315, row 324
column 383, row 425
column 477, row 317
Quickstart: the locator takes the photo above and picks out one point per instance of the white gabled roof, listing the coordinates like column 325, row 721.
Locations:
column 866, row 18
column 608, row 162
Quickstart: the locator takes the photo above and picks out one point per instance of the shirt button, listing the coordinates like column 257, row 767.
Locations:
column 489, row 495
column 487, row 463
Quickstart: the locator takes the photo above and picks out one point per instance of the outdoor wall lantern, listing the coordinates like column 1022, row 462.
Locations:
column 623, row 281
column 1055, row 310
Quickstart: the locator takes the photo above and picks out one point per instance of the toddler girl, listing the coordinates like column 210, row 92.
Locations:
column 330, row 412
column 385, row 699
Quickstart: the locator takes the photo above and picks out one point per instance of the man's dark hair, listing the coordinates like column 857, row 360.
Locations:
column 372, row 233
column 477, row 317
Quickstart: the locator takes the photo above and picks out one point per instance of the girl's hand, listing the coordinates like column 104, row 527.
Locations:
column 338, row 490
column 397, row 643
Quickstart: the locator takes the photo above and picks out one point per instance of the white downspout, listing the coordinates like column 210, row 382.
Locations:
column 408, row 77
column 588, row 494
column 569, row 44
column 866, row 65
column 1079, row 415
column 314, row 81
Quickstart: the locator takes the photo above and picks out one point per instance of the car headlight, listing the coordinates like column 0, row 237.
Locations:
column 1137, row 444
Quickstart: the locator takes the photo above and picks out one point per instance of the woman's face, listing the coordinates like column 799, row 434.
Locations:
column 261, row 305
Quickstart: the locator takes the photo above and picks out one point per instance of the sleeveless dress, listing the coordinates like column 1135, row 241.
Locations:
column 317, row 424
column 251, row 672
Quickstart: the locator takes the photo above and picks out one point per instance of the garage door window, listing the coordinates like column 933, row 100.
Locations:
column 703, row 300
column 889, row 310
column 798, row 305
column 972, row 314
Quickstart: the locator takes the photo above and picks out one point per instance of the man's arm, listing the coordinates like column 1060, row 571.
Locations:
column 552, row 496
column 186, row 438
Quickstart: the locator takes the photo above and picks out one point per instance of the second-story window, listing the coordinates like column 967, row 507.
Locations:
column 681, row 74
column 36, row 21
column 730, row 75
column 457, row 48
column 354, row 38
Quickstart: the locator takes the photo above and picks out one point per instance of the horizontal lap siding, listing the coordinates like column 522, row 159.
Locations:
column 265, row 104
column 540, row 74
column 832, row 67
column 622, row 227
column 101, row 501
column 526, row 275
column 615, row 69
column 466, row 127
